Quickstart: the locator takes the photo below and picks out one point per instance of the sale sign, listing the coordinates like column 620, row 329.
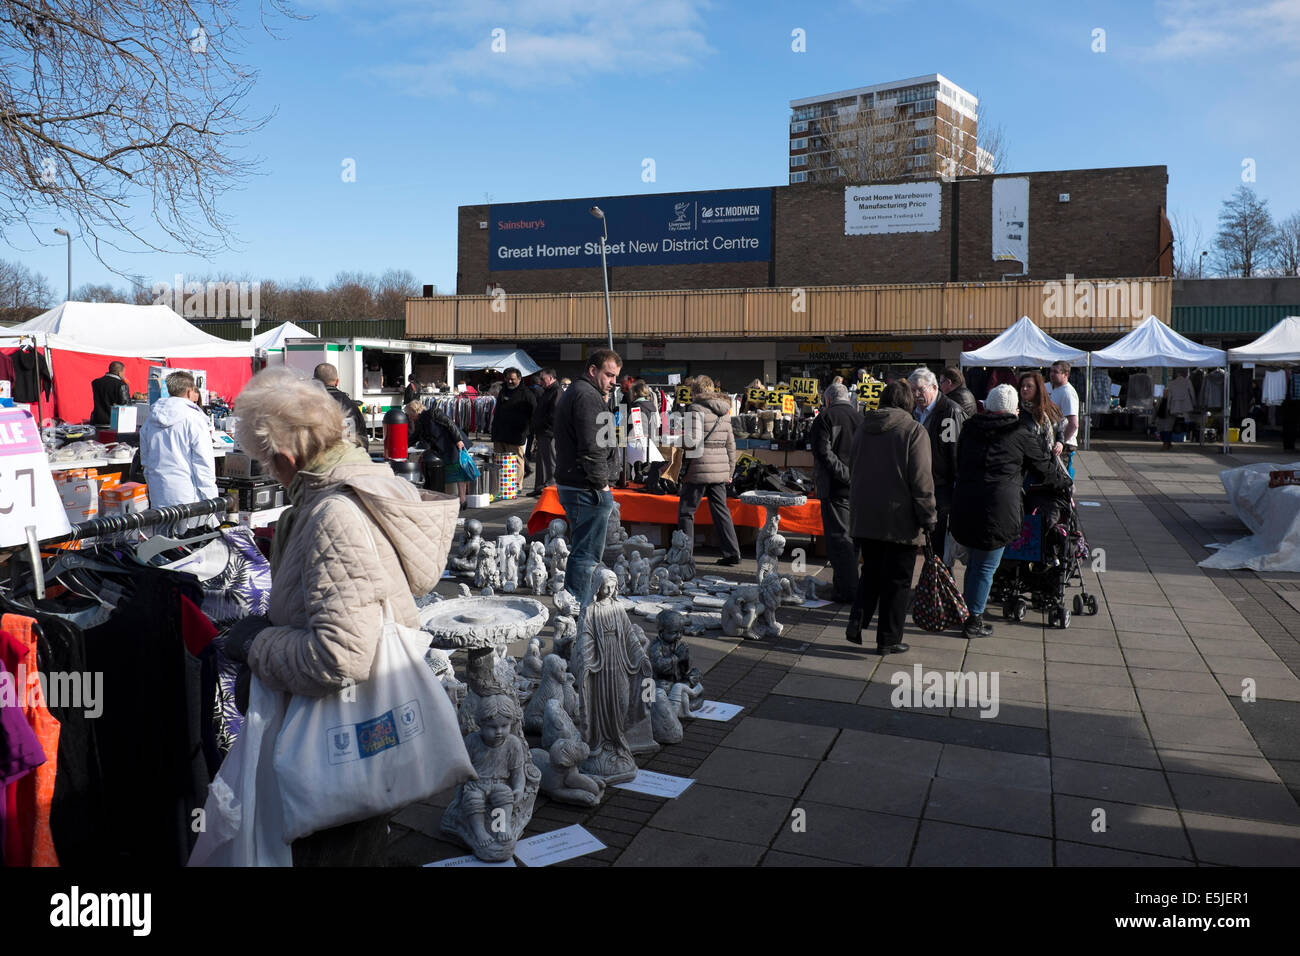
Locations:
column 28, row 497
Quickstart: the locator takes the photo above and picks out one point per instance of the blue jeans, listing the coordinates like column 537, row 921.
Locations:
column 979, row 577
column 587, row 511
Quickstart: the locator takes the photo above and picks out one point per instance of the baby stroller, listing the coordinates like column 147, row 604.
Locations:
column 1041, row 565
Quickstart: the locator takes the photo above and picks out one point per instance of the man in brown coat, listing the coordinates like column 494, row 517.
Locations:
column 892, row 497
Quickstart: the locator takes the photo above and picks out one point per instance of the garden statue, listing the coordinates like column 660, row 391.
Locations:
column 466, row 557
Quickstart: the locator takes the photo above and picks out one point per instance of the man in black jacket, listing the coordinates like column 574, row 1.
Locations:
column 953, row 384
column 328, row 376
column 942, row 419
column 544, row 431
column 586, row 462
column 831, row 438
column 109, row 390
column 513, row 418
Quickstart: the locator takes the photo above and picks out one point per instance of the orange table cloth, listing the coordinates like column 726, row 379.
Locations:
column 637, row 507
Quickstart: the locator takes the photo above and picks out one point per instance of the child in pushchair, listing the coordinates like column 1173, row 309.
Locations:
column 1039, row 566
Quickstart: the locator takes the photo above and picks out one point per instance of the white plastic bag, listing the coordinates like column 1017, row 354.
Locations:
column 243, row 821
column 373, row 747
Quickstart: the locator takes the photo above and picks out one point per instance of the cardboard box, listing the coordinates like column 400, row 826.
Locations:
column 127, row 498
column 80, row 499
column 124, row 419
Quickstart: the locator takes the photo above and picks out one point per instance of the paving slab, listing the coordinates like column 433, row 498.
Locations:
column 756, row 772
column 1234, row 842
column 979, row 804
column 1153, row 830
column 653, row 847
column 1023, row 771
column 821, row 688
column 850, row 836
column 1107, row 782
column 950, row 844
column 724, row 815
column 869, row 786
column 781, row 737
column 1244, row 799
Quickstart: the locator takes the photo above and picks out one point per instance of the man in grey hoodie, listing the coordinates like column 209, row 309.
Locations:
column 176, row 449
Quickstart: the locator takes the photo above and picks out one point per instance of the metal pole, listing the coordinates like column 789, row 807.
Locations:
column 604, row 270
column 1086, row 421
column 1227, row 387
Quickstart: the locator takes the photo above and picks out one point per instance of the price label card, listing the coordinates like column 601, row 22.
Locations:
column 787, row 404
column 27, row 493
column 814, row 401
column 782, row 388
column 757, row 395
column 804, row 386
column 683, row 394
column 773, row 398
column 869, row 394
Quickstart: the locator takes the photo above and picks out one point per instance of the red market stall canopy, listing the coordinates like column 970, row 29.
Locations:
column 81, row 338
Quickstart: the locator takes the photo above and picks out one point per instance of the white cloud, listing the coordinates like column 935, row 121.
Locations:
column 547, row 42
column 1204, row 28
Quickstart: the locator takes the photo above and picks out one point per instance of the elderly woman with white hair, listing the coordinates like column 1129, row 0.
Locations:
column 994, row 454
column 329, row 582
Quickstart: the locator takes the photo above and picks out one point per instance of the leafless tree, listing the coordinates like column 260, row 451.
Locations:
column 1246, row 234
column 100, row 293
column 1286, row 248
column 110, row 108
column 1187, row 247
column 991, row 138
column 866, row 145
column 21, row 288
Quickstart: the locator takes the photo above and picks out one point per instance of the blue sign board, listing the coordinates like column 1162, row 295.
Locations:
column 666, row 229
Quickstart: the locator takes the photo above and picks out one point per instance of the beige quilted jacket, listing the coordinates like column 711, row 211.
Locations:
column 327, row 593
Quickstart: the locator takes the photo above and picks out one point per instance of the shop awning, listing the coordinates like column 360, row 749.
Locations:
column 498, row 360
column 1155, row 345
column 1023, row 344
column 1280, row 344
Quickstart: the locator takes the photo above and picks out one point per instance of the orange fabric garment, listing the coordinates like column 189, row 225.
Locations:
column 637, row 507
column 36, row 790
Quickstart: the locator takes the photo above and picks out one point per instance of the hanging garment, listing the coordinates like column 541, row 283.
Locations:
column 1099, row 396
column 28, row 840
column 31, row 375
column 1141, row 391
column 20, row 751
column 1273, row 391
column 6, row 368
column 1210, row 396
column 1243, row 394
column 1292, row 385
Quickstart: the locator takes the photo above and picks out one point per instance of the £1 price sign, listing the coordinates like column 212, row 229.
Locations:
column 27, row 493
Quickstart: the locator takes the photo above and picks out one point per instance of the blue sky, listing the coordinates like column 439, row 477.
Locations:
column 586, row 90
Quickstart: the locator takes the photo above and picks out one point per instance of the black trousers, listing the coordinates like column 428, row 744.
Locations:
column 886, row 583
column 545, row 470
column 689, row 501
column 840, row 549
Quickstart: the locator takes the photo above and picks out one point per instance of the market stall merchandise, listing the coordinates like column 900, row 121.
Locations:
column 640, row 508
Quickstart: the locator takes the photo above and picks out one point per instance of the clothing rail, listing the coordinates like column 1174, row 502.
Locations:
column 142, row 519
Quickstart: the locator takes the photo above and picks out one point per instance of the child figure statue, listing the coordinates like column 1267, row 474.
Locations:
column 489, row 814
column 466, row 557
column 511, row 548
column 535, row 573
column 487, row 574
column 769, row 559
column 561, row 778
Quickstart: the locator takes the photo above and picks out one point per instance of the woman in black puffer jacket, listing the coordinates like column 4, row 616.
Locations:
column 710, row 460
column 994, row 453
column 437, row 431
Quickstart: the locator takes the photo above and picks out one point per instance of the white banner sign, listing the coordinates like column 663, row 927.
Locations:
column 905, row 207
column 1011, row 220
column 28, row 497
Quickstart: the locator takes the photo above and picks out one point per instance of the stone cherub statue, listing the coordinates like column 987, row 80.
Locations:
column 557, row 548
column 511, row 548
column 670, row 659
column 556, row 684
column 750, row 611
column 535, row 571
column 489, row 814
column 565, row 621
column 639, row 574
column 561, row 778
column 662, row 581
column 769, row 559
column 608, row 663
column 488, row 573
column 621, row 572
column 554, row 530
column 466, row 557
column 680, row 559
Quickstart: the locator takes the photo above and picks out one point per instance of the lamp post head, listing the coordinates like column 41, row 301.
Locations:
column 597, row 212
column 62, row 232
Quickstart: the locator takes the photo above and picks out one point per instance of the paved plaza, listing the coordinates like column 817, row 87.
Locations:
column 1123, row 740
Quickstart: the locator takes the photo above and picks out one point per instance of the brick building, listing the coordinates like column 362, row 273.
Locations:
column 909, row 274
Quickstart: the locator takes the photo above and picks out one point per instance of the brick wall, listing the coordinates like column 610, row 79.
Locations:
column 1109, row 228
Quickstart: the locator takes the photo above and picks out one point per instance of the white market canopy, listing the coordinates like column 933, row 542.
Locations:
column 1023, row 344
column 1279, row 344
column 123, row 330
column 1155, row 345
column 497, row 359
column 275, row 338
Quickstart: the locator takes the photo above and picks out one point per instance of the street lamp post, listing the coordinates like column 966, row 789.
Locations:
column 67, row 235
column 604, row 270
column 1200, row 263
